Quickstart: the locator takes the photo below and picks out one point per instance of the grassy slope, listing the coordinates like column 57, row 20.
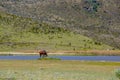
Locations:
column 98, row 19
column 18, row 33
column 60, row 70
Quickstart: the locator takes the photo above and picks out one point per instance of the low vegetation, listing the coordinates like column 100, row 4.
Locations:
column 18, row 33
column 47, row 58
column 66, row 25
column 118, row 73
column 97, row 19
column 57, row 70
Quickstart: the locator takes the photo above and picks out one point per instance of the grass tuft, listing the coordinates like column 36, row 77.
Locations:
column 47, row 58
column 117, row 72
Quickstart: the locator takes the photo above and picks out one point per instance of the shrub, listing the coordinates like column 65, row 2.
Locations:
column 117, row 73
column 91, row 5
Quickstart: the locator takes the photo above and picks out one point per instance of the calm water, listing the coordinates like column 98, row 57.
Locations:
column 88, row 58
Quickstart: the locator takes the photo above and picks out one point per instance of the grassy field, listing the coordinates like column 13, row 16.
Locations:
column 57, row 70
column 19, row 33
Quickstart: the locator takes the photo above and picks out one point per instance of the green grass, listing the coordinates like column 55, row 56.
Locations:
column 91, row 18
column 46, row 58
column 57, row 70
column 18, row 33
column 117, row 72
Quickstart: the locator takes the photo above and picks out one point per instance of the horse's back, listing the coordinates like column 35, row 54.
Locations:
column 42, row 51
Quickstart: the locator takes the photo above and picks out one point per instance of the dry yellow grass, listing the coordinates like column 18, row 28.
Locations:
column 61, row 52
column 57, row 70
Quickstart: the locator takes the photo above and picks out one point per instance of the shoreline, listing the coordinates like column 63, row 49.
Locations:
column 81, row 53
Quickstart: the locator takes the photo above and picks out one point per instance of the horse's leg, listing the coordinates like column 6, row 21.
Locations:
column 40, row 55
column 46, row 55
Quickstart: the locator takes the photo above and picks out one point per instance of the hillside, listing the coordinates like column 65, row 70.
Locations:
column 96, row 19
column 19, row 33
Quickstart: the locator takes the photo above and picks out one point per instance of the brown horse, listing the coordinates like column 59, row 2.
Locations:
column 43, row 53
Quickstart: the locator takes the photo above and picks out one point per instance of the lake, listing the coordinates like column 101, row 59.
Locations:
column 86, row 58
